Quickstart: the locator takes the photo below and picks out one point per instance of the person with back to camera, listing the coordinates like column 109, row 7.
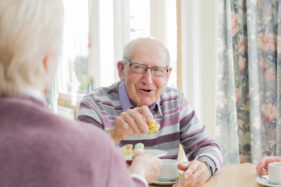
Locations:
column 133, row 109
column 37, row 147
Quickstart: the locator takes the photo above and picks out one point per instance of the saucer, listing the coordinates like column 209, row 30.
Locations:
column 263, row 180
column 159, row 181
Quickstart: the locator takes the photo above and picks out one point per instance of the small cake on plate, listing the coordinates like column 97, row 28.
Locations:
column 139, row 148
column 128, row 151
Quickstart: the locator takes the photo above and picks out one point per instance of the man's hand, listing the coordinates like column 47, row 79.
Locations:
column 131, row 122
column 146, row 166
column 195, row 174
column 262, row 166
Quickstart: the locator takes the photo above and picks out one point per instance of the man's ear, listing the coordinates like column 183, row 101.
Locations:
column 169, row 73
column 121, row 70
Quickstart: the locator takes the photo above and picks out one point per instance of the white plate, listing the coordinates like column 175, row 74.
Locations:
column 156, row 152
column 170, row 182
column 264, row 181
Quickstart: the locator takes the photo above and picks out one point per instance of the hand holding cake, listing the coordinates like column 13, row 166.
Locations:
column 137, row 121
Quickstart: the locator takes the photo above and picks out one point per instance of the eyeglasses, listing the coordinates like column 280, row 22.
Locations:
column 141, row 68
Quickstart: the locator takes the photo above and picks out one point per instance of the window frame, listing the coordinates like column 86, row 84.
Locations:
column 121, row 37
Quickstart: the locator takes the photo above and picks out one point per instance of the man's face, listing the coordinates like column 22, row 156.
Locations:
column 145, row 89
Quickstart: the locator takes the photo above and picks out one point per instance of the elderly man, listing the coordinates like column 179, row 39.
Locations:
column 125, row 108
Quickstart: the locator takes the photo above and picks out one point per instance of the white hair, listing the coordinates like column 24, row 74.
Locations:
column 29, row 30
column 129, row 48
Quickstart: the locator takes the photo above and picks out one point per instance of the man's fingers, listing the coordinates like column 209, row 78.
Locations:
column 134, row 121
column 196, row 173
column 201, row 174
column 191, row 169
column 123, row 126
column 139, row 121
column 177, row 185
column 130, row 121
column 183, row 165
column 144, row 110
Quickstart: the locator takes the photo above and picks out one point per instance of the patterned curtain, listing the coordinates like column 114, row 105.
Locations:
column 249, row 79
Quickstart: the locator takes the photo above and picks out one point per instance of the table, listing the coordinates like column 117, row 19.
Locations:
column 237, row 175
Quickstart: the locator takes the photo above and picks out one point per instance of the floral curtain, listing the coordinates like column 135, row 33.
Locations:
column 249, row 79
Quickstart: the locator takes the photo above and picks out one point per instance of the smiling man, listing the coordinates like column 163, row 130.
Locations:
column 141, row 97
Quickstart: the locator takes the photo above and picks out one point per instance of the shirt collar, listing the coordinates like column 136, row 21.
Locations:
column 35, row 93
column 127, row 104
column 124, row 98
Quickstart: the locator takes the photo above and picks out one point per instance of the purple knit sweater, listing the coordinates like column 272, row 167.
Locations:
column 40, row 149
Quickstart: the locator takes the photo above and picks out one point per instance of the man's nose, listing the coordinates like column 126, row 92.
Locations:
column 147, row 76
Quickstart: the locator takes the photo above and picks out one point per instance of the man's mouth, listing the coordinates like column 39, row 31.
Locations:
column 146, row 90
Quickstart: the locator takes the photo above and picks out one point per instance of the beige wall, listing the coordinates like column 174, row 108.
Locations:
column 199, row 59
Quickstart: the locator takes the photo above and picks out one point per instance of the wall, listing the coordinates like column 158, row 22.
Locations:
column 199, row 59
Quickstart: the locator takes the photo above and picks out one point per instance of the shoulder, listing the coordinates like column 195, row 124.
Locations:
column 109, row 93
column 47, row 127
column 171, row 94
column 106, row 91
column 77, row 132
column 71, row 141
column 171, row 91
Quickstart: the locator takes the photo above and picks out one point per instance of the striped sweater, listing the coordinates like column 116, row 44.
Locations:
column 179, row 124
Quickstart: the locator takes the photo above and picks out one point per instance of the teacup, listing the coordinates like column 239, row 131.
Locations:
column 274, row 172
column 169, row 169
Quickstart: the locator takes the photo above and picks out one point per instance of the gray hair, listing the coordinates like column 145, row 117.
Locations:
column 128, row 49
column 29, row 30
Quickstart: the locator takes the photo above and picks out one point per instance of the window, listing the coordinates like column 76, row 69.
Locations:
column 157, row 19
column 73, row 68
column 95, row 33
column 139, row 18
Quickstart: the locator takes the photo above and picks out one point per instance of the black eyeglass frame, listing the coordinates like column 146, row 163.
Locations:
column 127, row 61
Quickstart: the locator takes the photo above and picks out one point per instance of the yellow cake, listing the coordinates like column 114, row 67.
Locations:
column 153, row 127
column 128, row 151
column 139, row 148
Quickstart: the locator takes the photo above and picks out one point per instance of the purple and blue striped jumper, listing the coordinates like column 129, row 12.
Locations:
column 179, row 124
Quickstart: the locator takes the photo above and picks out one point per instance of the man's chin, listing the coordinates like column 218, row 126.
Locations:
column 146, row 103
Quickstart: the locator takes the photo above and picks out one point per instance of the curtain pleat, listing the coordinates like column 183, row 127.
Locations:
column 248, row 111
